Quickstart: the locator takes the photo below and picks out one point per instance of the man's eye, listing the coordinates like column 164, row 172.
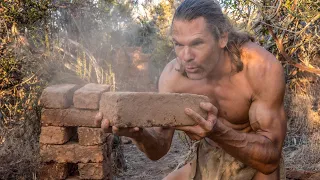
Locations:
column 197, row 43
column 177, row 44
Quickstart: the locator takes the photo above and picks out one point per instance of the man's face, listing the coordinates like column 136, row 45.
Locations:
column 196, row 48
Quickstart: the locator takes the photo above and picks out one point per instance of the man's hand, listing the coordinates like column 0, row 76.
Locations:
column 105, row 126
column 204, row 127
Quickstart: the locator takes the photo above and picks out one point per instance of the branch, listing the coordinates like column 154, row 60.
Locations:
column 7, row 89
column 312, row 20
column 278, row 9
column 288, row 59
column 268, row 24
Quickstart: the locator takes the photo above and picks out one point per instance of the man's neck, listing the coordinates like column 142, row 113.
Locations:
column 222, row 68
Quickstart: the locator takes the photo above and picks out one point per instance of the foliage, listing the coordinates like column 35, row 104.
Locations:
column 289, row 29
column 21, row 82
column 155, row 34
column 44, row 42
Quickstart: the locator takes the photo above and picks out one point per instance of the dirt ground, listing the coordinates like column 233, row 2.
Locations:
column 140, row 167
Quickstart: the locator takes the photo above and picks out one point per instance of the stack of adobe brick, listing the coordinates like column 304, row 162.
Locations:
column 70, row 142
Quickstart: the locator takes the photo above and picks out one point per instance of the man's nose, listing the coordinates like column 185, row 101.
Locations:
column 187, row 54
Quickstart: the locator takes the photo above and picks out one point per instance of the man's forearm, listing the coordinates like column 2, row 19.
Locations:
column 252, row 149
column 155, row 143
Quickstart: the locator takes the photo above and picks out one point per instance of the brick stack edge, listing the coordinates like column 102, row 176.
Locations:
column 69, row 136
column 69, row 139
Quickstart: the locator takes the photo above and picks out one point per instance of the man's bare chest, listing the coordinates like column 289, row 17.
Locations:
column 233, row 100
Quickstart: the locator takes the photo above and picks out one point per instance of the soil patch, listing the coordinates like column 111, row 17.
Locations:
column 140, row 167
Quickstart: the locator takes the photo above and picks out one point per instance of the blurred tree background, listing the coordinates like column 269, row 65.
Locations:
column 125, row 43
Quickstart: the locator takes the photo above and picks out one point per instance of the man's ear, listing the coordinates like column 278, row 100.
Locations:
column 223, row 40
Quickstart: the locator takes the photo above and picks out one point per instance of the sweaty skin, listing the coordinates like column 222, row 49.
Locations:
column 246, row 116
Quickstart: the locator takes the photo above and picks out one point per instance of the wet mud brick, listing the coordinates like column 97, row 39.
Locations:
column 58, row 96
column 68, row 117
column 73, row 153
column 88, row 96
column 146, row 109
column 55, row 135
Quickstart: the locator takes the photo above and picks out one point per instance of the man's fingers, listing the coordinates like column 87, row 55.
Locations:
column 98, row 116
column 193, row 136
column 182, row 128
column 132, row 130
column 115, row 129
column 195, row 116
column 190, row 129
column 128, row 132
column 209, row 107
column 105, row 124
column 98, row 119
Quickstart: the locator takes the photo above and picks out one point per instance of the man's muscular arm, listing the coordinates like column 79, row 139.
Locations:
column 262, row 149
column 155, row 142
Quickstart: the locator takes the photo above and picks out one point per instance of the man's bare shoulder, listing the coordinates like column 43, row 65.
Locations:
column 169, row 77
column 261, row 67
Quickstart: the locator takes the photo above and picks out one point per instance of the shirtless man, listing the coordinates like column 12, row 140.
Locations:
column 243, row 134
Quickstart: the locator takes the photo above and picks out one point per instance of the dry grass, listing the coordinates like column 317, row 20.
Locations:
column 19, row 154
column 19, row 134
column 302, row 145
